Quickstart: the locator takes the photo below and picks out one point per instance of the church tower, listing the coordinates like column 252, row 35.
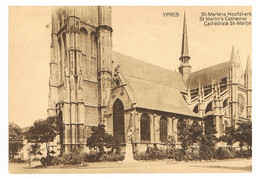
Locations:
column 80, row 71
column 185, row 68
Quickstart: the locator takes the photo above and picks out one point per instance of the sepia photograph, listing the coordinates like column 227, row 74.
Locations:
column 130, row 89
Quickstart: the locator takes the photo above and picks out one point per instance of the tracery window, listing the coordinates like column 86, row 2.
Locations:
column 118, row 120
column 163, row 129
column 145, row 128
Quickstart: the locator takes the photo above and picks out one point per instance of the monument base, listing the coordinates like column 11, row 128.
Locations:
column 129, row 157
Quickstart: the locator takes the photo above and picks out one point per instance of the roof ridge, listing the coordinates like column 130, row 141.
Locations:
column 209, row 67
column 149, row 81
column 147, row 62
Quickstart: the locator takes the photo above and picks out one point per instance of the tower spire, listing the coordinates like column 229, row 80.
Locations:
column 248, row 64
column 232, row 57
column 185, row 68
column 184, row 47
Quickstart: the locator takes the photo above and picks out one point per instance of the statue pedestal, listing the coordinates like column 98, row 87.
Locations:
column 129, row 157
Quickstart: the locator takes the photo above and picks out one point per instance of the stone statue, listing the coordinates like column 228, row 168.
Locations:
column 129, row 136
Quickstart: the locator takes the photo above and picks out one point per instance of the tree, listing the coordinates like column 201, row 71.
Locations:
column 170, row 143
column 244, row 134
column 188, row 135
column 195, row 131
column 15, row 140
column 43, row 131
column 99, row 140
column 229, row 137
column 207, row 143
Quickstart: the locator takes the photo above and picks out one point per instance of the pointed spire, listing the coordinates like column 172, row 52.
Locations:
column 232, row 58
column 189, row 95
column 184, row 49
column 237, row 56
column 249, row 64
column 219, row 91
column 199, row 92
column 212, row 84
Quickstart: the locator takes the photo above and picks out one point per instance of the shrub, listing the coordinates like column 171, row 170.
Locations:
column 192, row 156
column 71, row 159
column 46, row 161
column 16, row 160
column 243, row 154
column 207, row 152
column 152, row 153
column 90, row 157
column 141, row 156
column 57, row 160
column 224, row 153
column 112, row 158
column 179, row 155
column 161, row 154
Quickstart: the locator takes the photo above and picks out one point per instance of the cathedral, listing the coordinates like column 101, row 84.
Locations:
column 91, row 84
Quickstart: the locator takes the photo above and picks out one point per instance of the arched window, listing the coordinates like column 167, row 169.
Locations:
column 225, row 103
column 60, row 58
column 163, row 129
column 93, row 44
column 145, row 128
column 196, row 109
column 64, row 53
column 209, row 107
column 118, row 120
column 83, row 40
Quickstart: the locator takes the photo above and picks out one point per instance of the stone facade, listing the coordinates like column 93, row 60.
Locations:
column 90, row 84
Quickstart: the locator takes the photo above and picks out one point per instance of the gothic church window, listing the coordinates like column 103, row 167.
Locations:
column 83, row 39
column 225, row 103
column 145, row 128
column 60, row 58
column 209, row 107
column 93, row 44
column 196, row 110
column 118, row 120
column 163, row 129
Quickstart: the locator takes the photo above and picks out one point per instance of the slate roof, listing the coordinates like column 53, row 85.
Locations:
column 153, row 87
column 217, row 72
column 149, row 72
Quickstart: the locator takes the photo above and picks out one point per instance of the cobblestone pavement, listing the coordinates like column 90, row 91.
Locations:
column 226, row 166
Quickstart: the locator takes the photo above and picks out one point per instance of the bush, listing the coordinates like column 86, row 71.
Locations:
column 46, row 161
column 152, row 153
column 16, row 160
column 141, row 156
column 243, row 154
column 71, row 159
column 179, row 155
column 112, row 158
column 224, row 153
column 57, row 160
column 90, row 157
column 207, row 152
column 161, row 154
column 192, row 156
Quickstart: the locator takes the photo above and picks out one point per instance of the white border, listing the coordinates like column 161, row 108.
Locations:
column 4, row 73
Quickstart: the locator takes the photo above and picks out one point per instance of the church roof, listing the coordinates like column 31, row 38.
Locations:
column 205, row 76
column 153, row 87
column 149, row 72
column 154, row 96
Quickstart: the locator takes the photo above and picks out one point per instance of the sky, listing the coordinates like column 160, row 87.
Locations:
column 141, row 32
